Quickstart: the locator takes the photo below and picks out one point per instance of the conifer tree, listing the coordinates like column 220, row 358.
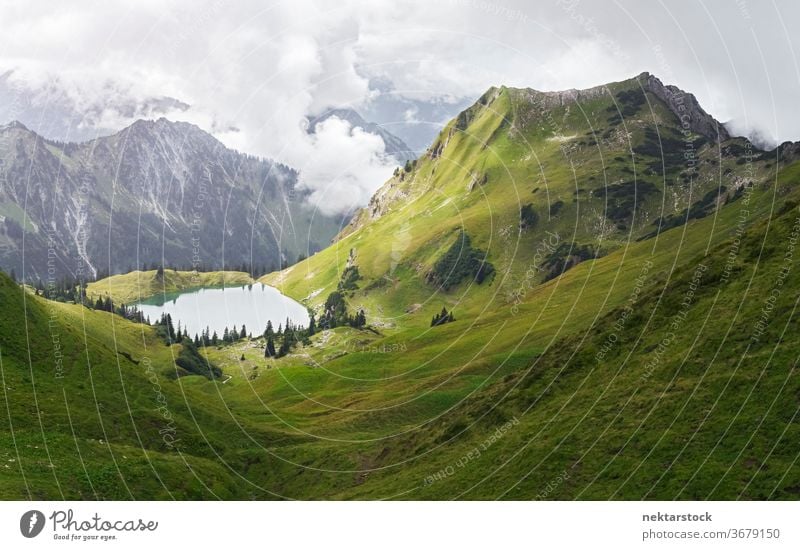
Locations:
column 170, row 327
column 286, row 343
column 312, row 324
column 442, row 318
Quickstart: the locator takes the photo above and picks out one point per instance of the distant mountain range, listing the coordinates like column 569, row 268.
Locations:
column 157, row 192
column 93, row 197
column 54, row 112
column 50, row 111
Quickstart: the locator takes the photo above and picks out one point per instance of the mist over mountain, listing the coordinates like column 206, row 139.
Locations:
column 758, row 137
column 54, row 112
column 157, row 192
column 395, row 146
column 416, row 121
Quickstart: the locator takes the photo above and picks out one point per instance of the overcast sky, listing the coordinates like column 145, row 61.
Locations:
column 252, row 71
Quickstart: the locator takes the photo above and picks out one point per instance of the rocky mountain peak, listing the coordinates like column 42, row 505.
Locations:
column 163, row 126
column 560, row 98
column 155, row 187
column 13, row 125
column 684, row 106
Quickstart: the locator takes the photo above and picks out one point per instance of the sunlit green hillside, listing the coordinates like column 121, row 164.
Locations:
column 623, row 288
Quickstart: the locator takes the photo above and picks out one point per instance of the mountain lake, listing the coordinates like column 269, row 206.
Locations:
column 218, row 308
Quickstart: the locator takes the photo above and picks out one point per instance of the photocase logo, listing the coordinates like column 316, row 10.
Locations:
column 31, row 523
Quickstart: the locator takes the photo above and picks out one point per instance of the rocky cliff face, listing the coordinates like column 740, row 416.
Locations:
column 685, row 106
column 156, row 192
column 682, row 104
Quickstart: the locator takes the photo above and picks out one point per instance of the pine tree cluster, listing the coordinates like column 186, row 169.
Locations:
column 287, row 336
column 335, row 313
column 443, row 317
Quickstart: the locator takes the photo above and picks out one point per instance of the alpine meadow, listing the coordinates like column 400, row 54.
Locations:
column 586, row 294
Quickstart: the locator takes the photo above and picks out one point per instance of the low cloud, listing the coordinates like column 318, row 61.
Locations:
column 343, row 166
column 252, row 72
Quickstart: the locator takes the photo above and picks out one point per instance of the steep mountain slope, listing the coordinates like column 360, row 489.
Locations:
column 539, row 182
column 632, row 342
column 646, row 227
column 395, row 146
column 688, row 390
column 92, row 408
column 155, row 192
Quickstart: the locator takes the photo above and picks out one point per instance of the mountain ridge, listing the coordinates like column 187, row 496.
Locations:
column 680, row 102
column 622, row 252
column 692, row 119
column 158, row 188
column 619, row 310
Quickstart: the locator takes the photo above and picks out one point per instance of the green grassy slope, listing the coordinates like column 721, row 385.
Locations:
column 693, row 393
column 659, row 366
column 589, row 193
column 476, row 177
column 91, row 410
column 141, row 285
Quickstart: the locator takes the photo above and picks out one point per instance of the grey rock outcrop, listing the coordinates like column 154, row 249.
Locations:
column 682, row 104
column 685, row 106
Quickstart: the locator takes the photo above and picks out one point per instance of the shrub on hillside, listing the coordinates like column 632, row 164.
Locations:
column 190, row 360
column 461, row 261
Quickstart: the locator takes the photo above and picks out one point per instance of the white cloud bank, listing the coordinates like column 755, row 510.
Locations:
column 262, row 67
